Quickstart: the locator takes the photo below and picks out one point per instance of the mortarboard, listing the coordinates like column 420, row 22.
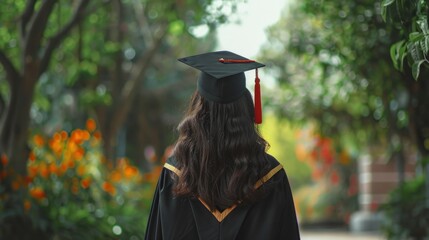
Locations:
column 222, row 77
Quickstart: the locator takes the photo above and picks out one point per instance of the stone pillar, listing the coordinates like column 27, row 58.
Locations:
column 377, row 178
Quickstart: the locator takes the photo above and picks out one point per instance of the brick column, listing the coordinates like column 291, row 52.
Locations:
column 377, row 178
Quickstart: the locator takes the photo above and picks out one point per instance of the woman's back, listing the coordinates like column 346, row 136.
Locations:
column 219, row 151
column 220, row 182
column 270, row 217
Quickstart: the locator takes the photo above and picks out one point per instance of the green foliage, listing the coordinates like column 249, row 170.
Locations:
column 406, row 213
column 91, row 66
column 411, row 19
column 71, row 193
column 333, row 69
column 323, row 178
column 323, row 203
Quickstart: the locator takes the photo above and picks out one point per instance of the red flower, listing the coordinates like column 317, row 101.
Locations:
column 335, row 179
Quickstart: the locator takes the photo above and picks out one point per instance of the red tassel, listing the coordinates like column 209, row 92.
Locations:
column 258, row 105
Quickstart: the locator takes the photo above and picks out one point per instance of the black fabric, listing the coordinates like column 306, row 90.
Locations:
column 225, row 90
column 220, row 82
column 270, row 218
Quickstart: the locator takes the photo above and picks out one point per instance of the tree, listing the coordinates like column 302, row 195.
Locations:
column 335, row 67
column 42, row 31
column 36, row 43
column 410, row 56
column 44, row 34
column 336, row 73
column 152, row 28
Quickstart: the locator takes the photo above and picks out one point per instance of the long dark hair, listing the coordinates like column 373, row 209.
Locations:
column 219, row 151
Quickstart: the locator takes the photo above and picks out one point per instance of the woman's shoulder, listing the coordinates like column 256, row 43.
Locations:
column 171, row 164
column 272, row 161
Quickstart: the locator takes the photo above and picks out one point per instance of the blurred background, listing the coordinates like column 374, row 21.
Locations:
column 91, row 93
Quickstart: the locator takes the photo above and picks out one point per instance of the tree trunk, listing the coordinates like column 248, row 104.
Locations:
column 422, row 130
column 15, row 129
column 124, row 91
column 14, row 135
column 36, row 53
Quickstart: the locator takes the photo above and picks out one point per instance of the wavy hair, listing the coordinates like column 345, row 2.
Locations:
column 220, row 152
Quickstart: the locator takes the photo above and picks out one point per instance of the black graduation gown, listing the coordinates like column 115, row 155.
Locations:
column 270, row 218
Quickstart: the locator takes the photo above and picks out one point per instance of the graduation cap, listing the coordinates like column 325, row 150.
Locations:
column 222, row 77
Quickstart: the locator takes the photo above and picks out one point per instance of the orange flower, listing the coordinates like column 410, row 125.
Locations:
column 72, row 146
column 85, row 183
column 130, row 171
column 32, row 171
column 85, row 135
column 97, row 135
column 81, row 170
column 57, row 137
column 38, row 140
column 91, row 125
column 77, row 136
column 64, row 135
column 79, row 153
column 53, row 168
column 69, row 163
column 27, row 204
column 116, row 176
column 32, row 156
column 43, row 170
column 4, row 160
column 56, row 145
column 109, row 188
column 37, row 193
column 63, row 168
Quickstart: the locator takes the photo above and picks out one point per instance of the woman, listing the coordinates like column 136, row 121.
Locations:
column 220, row 183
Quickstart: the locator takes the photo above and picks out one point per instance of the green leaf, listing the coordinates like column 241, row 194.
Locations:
column 423, row 24
column 177, row 27
column 402, row 54
column 416, row 52
column 386, row 3
column 415, row 36
column 397, row 53
column 42, row 102
column 427, row 41
column 416, row 69
column 424, row 44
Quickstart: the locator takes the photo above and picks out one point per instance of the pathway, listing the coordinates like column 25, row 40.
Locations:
column 338, row 235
